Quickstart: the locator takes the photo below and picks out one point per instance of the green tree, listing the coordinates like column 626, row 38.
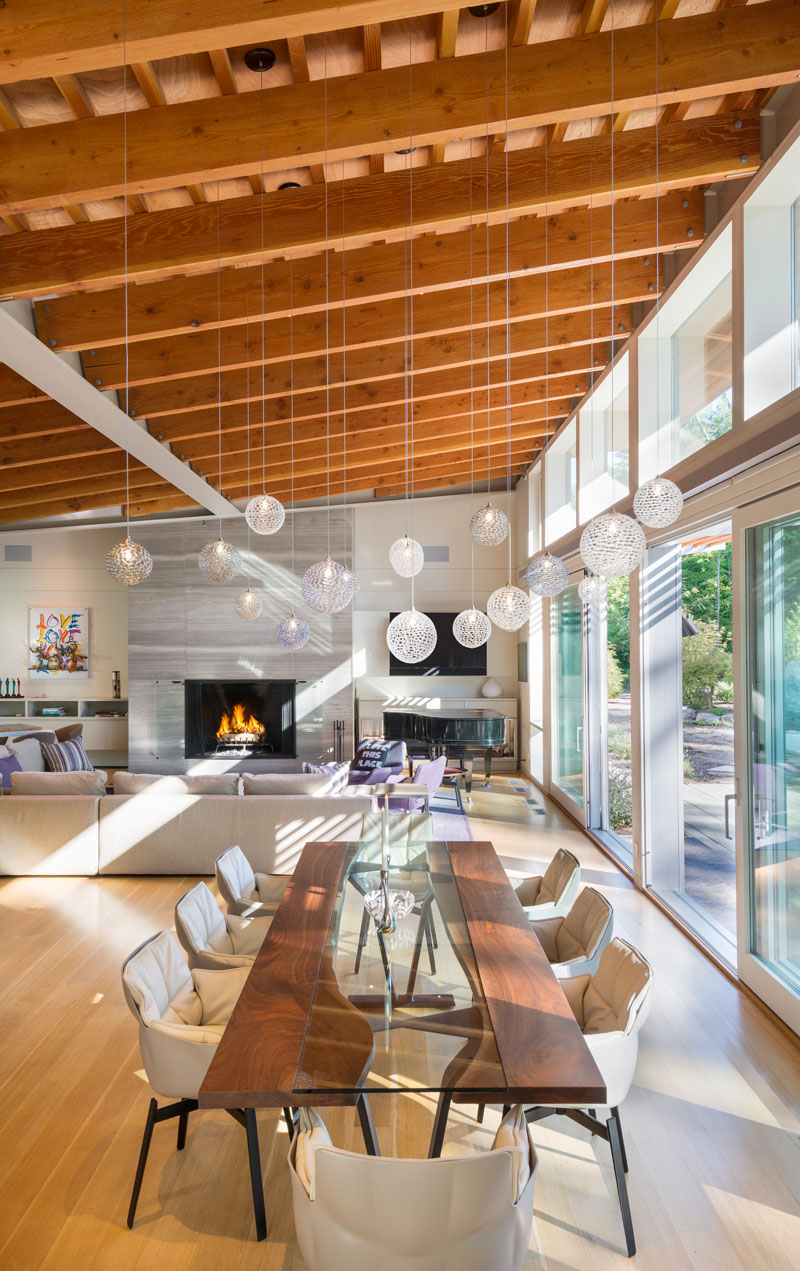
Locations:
column 614, row 677
column 619, row 626
column 705, row 665
column 699, row 579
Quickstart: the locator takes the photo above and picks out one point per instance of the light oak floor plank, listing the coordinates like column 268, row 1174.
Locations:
column 712, row 1123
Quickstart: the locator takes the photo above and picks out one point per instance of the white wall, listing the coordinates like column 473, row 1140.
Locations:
column 67, row 569
column 438, row 522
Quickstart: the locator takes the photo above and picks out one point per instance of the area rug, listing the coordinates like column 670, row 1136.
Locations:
column 450, row 825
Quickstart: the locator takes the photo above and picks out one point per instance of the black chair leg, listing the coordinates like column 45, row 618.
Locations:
column 255, row 1173
column 362, row 939
column 290, row 1117
column 145, row 1148
column 429, row 940
column 183, row 1125
column 481, row 1113
column 615, row 1112
column 615, row 1142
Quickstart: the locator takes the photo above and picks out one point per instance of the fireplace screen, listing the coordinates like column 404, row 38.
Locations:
column 240, row 719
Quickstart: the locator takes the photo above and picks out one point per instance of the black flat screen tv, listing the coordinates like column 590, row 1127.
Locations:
column 448, row 657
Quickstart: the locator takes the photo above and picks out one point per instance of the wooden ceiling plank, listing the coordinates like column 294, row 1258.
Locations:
column 180, row 305
column 147, row 79
column 72, row 91
column 53, row 472
column 223, row 71
column 219, row 138
column 446, row 35
column 372, row 329
column 298, row 59
column 371, row 40
column 16, row 391
column 692, row 152
column 200, row 391
column 520, row 21
column 9, row 119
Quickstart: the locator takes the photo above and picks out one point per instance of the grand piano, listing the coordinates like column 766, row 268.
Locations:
column 464, row 733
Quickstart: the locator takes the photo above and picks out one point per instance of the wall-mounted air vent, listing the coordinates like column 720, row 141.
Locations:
column 18, row 552
column 436, row 555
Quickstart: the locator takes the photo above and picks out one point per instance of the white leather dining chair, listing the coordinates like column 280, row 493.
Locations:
column 574, row 943
column 246, row 893
column 181, row 1016
column 551, row 894
column 611, row 1006
column 361, row 1212
column 212, row 939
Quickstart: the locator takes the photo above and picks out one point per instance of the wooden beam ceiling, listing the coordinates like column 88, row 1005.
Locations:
column 220, row 138
column 691, row 152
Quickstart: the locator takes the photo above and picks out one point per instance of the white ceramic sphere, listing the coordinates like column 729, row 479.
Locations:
column 248, row 605
column 547, row 575
column 489, row 526
column 293, row 632
column 658, row 503
column 264, row 514
column 328, row 586
column 612, row 545
column 472, row 628
column 509, row 608
column 219, row 561
column 411, row 636
column 129, row 562
column 406, row 557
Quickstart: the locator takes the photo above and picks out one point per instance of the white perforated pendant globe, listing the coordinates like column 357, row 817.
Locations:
column 406, row 557
column 546, row 575
column 248, row 605
column 264, row 514
column 590, row 589
column 612, row 544
column 489, row 526
column 129, row 562
column 472, row 628
column 658, row 503
column 411, row 636
column 328, row 586
column 219, row 561
column 509, row 607
column 293, row 633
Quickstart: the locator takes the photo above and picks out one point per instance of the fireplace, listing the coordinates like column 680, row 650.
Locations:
column 240, row 719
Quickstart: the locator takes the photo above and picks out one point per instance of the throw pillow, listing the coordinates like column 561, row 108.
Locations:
column 337, row 772
column 8, row 764
column 66, row 756
column 91, row 783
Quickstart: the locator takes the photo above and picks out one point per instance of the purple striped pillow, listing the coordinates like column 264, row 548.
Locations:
column 66, row 756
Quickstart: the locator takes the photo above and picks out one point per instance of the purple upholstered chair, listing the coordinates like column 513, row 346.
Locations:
column 428, row 774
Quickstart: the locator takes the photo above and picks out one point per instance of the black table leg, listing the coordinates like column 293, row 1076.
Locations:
column 440, row 1123
column 256, row 1180
column 367, row 1125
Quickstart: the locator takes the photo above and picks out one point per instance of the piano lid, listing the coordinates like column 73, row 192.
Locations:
column 444, row 714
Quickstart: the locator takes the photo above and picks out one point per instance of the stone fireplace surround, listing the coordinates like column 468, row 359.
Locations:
column 181, row 627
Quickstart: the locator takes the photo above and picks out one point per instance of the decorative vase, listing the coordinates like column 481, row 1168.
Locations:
column 491, row 689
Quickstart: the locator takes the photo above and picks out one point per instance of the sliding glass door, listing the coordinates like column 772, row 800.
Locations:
column 769, row 838
column 567, row 698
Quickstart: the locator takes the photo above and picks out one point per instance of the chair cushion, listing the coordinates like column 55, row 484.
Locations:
column 93, row 782
column 621, row 979
column 218, row 992
column 583, row 926
column 335, row 772
column 202, row 921
column 235, row 873
column 66, row 756
column 153, row 784
column 312, row 1133
column 308, row 783
column 529, row 890
column 512, row 1136
column 157, row 975
column 556, row 877
column 8, row 764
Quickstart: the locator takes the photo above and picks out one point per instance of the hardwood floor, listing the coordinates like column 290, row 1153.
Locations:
column 711, row 1123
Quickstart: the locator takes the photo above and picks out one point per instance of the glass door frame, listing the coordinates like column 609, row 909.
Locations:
column 752, row 970
column 575, row 809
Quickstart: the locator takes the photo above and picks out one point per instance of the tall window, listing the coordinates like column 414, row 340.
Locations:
column 702, row 371
column 567, row 693
column 561, row 483
column 604, row 458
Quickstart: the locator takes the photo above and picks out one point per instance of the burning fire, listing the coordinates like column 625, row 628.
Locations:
column 235, row 727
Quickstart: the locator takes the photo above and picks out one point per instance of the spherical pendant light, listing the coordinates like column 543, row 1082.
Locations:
column 411, row 636
column 248, row 605
column 472, row 628
column 328, row 586
column 489, row 526
column 546, row 575
column 658, row 503
column 129, row 562
column 590, row 589
column 509, row 607
column 612, row 544
column 406, row 557
column 264, row 514
column 293, row 633
column 219, row 561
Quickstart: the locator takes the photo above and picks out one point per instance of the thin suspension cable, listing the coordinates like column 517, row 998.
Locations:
column 263, row 306
column 219, row 355
column 613, row 312
column 471, row 389
column 125, row 260
column 344, row 381
column 291, row 399
column 546, row 300
column 658, row 248
column 405, row 362
column 488, row 312
column 411, row 279
column 508, row 337
column 247, row 401
column 327, row 307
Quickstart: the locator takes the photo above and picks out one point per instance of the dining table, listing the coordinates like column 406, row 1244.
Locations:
column 459, row 1001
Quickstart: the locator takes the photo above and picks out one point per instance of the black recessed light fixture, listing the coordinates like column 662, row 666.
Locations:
column 408, row 150
column 483, row 10
column 259, row 59
column 289, row 185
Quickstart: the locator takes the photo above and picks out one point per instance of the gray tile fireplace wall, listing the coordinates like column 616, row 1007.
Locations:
column 182, row 627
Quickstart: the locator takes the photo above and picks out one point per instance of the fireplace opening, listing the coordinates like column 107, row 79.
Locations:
column 240, row 719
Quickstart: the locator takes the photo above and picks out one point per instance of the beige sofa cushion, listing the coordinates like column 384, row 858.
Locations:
column 309, row 783
column 58, row 835
column 59, row 783
column 150, row 783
